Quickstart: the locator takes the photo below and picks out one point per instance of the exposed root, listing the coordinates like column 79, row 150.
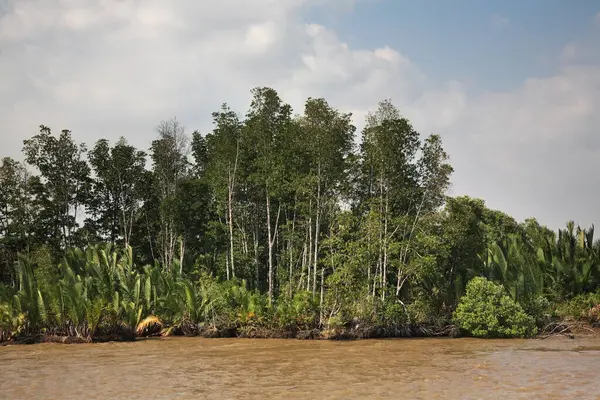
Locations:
column 565, row 328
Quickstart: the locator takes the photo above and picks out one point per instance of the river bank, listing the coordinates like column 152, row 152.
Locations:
column 567, row 329
column 249, row 333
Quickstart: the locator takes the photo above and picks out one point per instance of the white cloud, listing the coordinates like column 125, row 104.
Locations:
column 106, row 68
column 533, row 151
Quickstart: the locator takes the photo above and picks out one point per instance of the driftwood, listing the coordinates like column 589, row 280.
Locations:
column 564, row 328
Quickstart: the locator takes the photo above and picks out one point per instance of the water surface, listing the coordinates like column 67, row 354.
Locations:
column 195, row 368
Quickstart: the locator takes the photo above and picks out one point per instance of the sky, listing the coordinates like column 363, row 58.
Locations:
column 513, row 87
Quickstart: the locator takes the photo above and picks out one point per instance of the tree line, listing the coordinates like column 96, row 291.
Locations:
column 283, row 205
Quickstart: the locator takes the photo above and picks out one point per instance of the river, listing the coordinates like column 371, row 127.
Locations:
column 195, row 368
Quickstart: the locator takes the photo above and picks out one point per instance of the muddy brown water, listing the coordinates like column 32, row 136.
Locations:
column 195, row 368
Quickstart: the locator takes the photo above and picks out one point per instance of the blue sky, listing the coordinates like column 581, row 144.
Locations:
column 513, row 87
column 490, row 45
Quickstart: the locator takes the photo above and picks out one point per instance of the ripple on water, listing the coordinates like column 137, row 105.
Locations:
column 175, row 368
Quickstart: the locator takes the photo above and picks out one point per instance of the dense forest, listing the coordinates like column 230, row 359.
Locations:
column 273, row 224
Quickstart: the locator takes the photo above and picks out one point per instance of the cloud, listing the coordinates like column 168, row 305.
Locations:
column 106, row 68
column 532, row 151
column 111, row 67
column 500, row 21
column 597, row 18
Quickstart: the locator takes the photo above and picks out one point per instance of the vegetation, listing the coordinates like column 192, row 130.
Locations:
column 486, row 311
column 273, row 224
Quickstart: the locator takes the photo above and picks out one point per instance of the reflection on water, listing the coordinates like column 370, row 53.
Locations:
column 191, row 368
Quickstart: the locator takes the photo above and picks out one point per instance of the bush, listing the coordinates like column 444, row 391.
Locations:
column 486, row 311
column 539, row 308
column 579, row 307
column 297, row 312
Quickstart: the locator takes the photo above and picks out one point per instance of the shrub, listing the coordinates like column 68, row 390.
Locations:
column 539, row 308
column 297, row 312
column 392, row 315
column 486, row 311
column 579, row 307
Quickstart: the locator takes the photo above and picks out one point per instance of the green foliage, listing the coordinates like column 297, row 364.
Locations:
column 486, row 311
column 299, row 312
column 540, row 309
column 274, row 221
column 579, row 307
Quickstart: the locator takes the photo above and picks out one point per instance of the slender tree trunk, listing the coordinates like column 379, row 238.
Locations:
column 230, row 213
column 125, row 227
column 270, row 244
column 256, row 263
column 227, row 265
column 291, row 249
column 230, row 194
column 227, row 255
column 317, row 226
column 149, row 237
column 181, row 254
column 244, row 237
column 322, row 297
column 272, row 237
column 385, row 247
column 303, row 266
column 310, row 242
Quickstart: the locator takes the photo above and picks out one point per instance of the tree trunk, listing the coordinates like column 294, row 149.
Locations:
column 310, row 241
column 272, row 237
column 227, row 257
column 230, row 189
column 270, row 244
column 230, row 213
column 181, row 254
column 322, row 297
column 256, row 263
column 385, row 247
column 317, row 215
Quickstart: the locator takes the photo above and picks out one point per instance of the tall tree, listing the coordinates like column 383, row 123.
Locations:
column 65, row 179
column 117, row 190
column 329, row 136
column 223, row 159
column 170, row 166
column 265, row 127
column 16, row 214
column 389, row 149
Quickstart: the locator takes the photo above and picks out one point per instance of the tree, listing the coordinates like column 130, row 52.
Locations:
column 486, row 311
column 266, row 123
column 433, row 180
column 117, row 189
column 398, row 188
column 223, row 159
column 329, row 137
column 16, row 215
column 194, row 213
column 170, row 165
column 64, row 183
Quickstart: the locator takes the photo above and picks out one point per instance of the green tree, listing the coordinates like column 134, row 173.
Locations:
column 16, row 214
column 328, row 136
column 117, row 189
column 266, row 123
column 486, row 311
column 64, row 182
column 170, row 166
column 222, row 157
